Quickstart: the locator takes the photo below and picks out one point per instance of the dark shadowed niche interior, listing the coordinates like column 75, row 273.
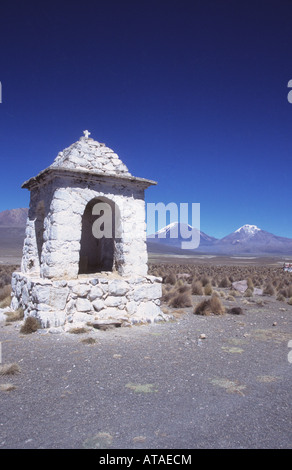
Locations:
column 97, row 245
column 39, row 227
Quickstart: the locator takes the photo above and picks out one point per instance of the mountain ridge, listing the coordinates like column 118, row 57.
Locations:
column 14, row 217
column 248, row 239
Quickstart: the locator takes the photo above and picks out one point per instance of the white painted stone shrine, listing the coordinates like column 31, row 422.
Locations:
column 68, row 275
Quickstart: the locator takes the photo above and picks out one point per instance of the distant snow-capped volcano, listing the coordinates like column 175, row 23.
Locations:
column 177, row 232
column 171, row 227
column 248, row 229
column 252, row 239
column 248, row 239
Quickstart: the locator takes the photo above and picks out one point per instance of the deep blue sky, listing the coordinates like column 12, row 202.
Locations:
column 192, row 94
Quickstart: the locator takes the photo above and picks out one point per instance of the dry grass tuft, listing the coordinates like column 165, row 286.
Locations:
column 203, row 308
column 78, row 330
column 170, row 279
column 5, row 292
column 167, row 293
column 231, row 298
column 7, row 387
column 248, row 293
column 88, row 340
column 216, row 305
column 17, row 315
column 269, row 290
column 30, row 325
column 183, row 288
column 225, row 282
column 197, row 288
column 5, row 296
column 208, row 289
column 280, row 298
column 250, row 283
column 207, row 307
column 5, row 302
column 181, row 300
column 9, row 369
column 205, row 280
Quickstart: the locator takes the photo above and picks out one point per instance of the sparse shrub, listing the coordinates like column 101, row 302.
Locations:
column 5, row 274
column 289, row 291
column 5, row 292
column 30, row 325
column 280, row 298
column 269, row 290
column 5, row 302
column 170, row 279
column 203, row 308
column 216, row 305
column 212, row 305
column 7, row 387
column 197, row 288
column 153, row 273
column 205, row 273
column 234, row 293
column 214, row 282
column 9, row 369
column 283, row 292
column 181, row 300
column 183, row 288
column 78, row 330
column 231, row 298
column 5, row 296
column 250, row 283
column 205, row 280
column 17, row 315
column 88, row 340
column 224, row 282
column 208, row 289
column 248, row 293
column 219, row 294
column 167, row 293
column 179, row 283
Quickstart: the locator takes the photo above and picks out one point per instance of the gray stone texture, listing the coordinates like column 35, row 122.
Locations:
column 55, row 283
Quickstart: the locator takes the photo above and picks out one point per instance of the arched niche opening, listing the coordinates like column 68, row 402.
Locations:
column 99, row 236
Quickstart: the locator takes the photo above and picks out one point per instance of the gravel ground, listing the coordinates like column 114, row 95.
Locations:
column 154, row 386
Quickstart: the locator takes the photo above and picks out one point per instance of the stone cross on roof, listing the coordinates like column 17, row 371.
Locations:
column 86, row 134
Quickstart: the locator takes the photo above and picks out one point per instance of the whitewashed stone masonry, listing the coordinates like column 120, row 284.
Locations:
column 68, row 276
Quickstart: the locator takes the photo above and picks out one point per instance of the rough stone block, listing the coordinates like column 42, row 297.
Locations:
column 83, row 305
column 56, row 297
column 96, row 292
column 118, row 287
column 98, row 304
column 114, row 301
